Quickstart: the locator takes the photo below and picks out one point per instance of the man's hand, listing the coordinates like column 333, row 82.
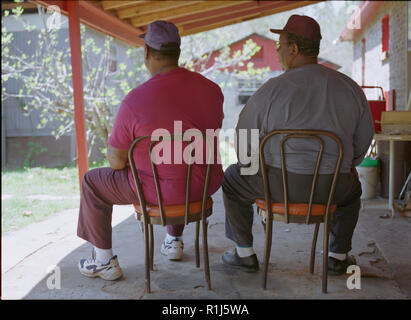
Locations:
column 355, row 171
column 117, row 158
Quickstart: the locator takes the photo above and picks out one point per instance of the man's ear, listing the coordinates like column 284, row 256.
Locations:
column 294, row 49
column 146, row 52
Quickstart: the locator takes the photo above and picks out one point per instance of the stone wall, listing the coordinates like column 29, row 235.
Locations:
column 389, row 73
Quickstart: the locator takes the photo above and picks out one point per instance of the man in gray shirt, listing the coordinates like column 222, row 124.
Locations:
column 306, row 96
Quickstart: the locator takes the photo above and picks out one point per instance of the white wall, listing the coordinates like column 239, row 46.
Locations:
column 392, row 72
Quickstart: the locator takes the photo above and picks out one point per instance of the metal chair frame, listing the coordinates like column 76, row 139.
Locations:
column 309, row 219
column 163, row 220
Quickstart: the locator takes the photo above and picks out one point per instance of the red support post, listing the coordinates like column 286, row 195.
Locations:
column 363, row 61
column 77, row 74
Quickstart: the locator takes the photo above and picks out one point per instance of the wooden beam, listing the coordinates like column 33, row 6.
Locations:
column 59, row 3
column 204, row 6
column 267, row 8
column 77, row 76
column 150, row 7
column 100, row 20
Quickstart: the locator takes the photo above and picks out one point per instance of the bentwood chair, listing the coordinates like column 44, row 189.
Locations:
column 149, row 214
column 308, row 213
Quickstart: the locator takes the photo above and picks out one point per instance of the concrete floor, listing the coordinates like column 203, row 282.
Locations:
column 30, row 257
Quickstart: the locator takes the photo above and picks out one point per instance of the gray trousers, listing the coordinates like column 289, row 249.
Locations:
column 240, row 192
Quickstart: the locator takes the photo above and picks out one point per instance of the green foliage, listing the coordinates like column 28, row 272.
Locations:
column 198, row 49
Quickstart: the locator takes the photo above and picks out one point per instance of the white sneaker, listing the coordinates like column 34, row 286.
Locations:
column 92, row 268
column 172, row 249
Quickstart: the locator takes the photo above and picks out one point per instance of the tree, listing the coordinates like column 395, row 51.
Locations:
column 45, row 76
column 46, row 84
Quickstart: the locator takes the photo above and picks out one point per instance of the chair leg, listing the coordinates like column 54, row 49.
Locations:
column 150, row 231
column 267, row 251
column 197, row 245
column 325, row 257
column 147, row 257
column 205, row 253
column 312, row 260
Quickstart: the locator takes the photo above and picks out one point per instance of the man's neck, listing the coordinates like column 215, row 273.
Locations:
column 164, row 69
column 304, row 62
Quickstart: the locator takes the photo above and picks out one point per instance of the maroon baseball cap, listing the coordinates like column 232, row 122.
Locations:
column 303, row 26
column 161, row 32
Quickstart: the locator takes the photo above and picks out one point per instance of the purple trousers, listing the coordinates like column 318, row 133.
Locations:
column 102, row 188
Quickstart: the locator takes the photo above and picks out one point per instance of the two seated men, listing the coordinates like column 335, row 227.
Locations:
column 306, row 96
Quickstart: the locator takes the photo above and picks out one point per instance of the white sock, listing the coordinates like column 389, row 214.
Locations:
column 245, row 252
column 170, row 238
column 103, row 255
column 338, row 256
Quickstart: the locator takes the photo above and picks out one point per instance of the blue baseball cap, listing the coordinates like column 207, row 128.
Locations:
column 161, row 32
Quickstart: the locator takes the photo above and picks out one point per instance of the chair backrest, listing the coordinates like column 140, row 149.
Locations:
column 190, row 162
column 300, row 134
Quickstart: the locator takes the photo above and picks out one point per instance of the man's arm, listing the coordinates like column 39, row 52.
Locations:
column 117, row 158
column 250, row 122
column 121, row 137
column 364, row 132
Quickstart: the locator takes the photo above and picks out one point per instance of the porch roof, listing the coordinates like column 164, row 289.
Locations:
column 126, row 20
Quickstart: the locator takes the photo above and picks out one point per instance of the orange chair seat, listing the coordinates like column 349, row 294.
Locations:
column 175, row 210
column 296, row 209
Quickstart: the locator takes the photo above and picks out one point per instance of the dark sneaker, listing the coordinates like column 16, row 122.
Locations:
column 337, row 267
column 92, row 268
column 233, row 260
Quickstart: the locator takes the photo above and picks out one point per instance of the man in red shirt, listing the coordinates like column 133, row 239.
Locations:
column 173, row 98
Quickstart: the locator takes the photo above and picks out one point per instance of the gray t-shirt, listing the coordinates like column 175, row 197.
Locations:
column 310, row 97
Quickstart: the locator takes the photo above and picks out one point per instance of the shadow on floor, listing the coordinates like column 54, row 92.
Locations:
column 384, row 270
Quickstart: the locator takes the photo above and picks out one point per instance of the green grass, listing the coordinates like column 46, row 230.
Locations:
column 13, row 210
column 23, row 189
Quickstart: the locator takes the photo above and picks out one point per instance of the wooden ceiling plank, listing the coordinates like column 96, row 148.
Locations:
column 268, row 9
column 188, row 29
column 241, row 6
column 110, row 5
column 12, row 5
column 186, row 32
column 180, row 12
column 150, row 7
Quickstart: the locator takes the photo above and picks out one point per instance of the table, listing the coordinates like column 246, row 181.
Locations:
column 391, row 138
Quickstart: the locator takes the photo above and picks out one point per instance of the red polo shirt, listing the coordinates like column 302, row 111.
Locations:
column 177, row 95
